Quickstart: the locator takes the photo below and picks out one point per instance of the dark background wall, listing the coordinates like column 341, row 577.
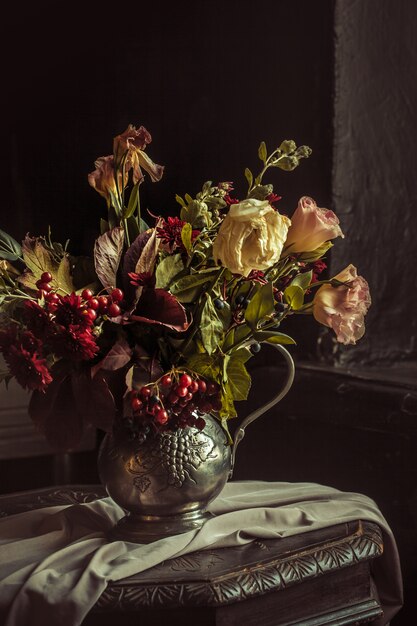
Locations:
column 210, row 80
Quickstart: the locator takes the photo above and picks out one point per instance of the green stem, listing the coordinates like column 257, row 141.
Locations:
column 267, row 326
column 268, row 164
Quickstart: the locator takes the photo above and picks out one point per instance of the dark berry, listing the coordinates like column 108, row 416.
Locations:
column 193, row 387
column 239, row 299
column 218, row 303
column 136, row 404
column 43, row 286
column 117, row 295
column 52, row 297
column 205, row 406
column 245, row 302
column 185, row 380
column 216, row 404
column 92, row 314
column 255, row 347
column 114, row 310
column 46, row 277
column 173, row 397
column 161, row 416
column 280, row 306
column 86, row 294
column 103, row 302
column 212, row 388
column 154, row 400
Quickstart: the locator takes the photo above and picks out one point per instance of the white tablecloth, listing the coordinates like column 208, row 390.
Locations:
column 56, row 561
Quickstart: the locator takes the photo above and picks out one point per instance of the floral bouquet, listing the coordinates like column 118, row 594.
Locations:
column 154, row 330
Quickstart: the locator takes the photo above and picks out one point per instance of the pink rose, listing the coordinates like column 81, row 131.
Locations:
column 311, row 227
column 343, row 308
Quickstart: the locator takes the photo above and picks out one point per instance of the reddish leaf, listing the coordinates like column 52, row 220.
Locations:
column 93, row 400
column 146, row 369
column 157, row 306
column 118, row 356
column 41, row 403
column 56, row 415
column 108, row 250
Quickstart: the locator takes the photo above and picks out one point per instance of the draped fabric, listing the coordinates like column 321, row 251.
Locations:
column 56, row 561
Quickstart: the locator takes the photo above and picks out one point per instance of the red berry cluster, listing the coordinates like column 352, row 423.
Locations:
column 44, row 284
column 94, row 305
column 103, row 305
column 175, row 401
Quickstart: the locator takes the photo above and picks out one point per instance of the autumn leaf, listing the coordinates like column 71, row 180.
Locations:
column 108, row 250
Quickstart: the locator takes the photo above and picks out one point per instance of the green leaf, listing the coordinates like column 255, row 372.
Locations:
column 211, row 327
column 205, row 365
column 132, row 227
column 239, row 380
column 36, row 257
column 303, row 280
column 294, row 296
column 133, row 201
column 143, row 226
column 225, row 425
column 188, row 288
column 249, row 177
column 9, row 248
column 262, row 152
column 272, row 336
column 167, row 269
column 63, row 276
column 186, row 237
column 243, row 355
column 314, row 255
column 261, row 306
column 180, row 201
column 236, row 336
column 228, row 409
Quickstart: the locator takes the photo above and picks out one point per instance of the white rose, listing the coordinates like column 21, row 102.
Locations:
column 251, row 237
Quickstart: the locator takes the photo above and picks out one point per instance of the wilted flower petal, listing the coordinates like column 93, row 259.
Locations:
column 250, row 237
column 103, row 178
column 131, row 145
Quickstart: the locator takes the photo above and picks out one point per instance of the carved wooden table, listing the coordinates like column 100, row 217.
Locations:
column 315, row 578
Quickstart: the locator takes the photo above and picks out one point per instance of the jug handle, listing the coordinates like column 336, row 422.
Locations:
column 240, row 433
